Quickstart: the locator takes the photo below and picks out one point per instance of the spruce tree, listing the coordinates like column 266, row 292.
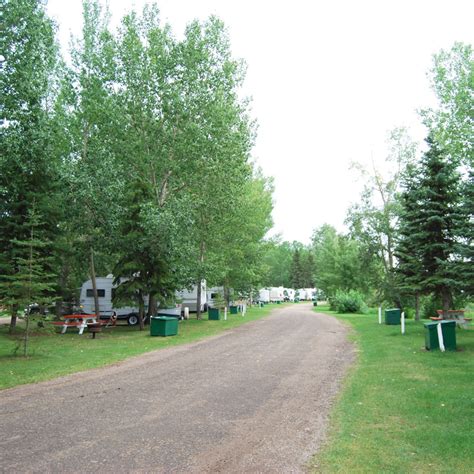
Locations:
column 441, row 220
column 407, row 251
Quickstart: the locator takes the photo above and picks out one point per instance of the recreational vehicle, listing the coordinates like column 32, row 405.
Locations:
column 188, row 298
column 276, row 294
column 264, row 295
column 105, row 290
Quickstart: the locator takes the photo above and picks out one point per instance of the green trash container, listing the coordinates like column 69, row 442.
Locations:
column 213, row 314
column 163, row 326
column 448, row 329
column 261, row 304
column 315, row 303
column 234, row 310
column 278, row 302
column 393, row 316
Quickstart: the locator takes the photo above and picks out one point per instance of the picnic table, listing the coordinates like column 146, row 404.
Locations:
column 76, row 321
column 453, row 315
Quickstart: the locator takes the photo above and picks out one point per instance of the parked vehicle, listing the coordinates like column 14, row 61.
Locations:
column 289, row 294
column 276, row 294
column 188, row 298
column 264, row 295
column 105, row 290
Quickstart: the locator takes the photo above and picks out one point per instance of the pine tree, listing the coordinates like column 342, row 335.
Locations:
column 296, row 270
column 441, row 221
column 407, row 252
column 31, row 281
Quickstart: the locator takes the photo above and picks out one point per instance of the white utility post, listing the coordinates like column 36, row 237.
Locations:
column 403, row 322
column 186, row 312
column 440, row 337
column 244, row 309
column 380, row 314
column 225, row 313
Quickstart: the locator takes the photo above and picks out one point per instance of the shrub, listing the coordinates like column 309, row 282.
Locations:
column 348, row 302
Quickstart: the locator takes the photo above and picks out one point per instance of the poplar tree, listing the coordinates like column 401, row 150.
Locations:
column 29, row 171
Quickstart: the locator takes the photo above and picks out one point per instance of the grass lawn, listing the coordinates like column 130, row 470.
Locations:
column 403, row 409
column 53, row 354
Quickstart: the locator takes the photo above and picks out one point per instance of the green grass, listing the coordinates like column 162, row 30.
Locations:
column 52, row 354
column 402, row 408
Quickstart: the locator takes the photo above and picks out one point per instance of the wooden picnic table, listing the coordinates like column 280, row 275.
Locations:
column 453, row 315
column 76, row 321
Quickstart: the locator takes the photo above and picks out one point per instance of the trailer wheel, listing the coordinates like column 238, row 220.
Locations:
column 132, row 320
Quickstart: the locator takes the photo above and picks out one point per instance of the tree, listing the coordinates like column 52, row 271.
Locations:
column 29, row 169
column 277, row 261
column 31, row 282
column 409, row 239
column 452, row 124
column 92, row 170
column 441, row 221
column 339, row 262
column 373, row 221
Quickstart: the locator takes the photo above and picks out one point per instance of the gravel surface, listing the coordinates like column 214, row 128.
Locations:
column 255, row 399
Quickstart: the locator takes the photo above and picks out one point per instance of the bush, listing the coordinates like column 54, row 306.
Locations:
column 348, row 302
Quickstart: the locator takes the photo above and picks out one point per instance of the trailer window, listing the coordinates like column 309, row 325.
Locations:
column 100, row 293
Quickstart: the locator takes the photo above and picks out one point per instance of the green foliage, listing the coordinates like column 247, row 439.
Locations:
column 340, row 262
column 29, row 165
column 348, row 302
column 452, row 123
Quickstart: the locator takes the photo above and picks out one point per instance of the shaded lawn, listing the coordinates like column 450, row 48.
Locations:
column 402, row 409
column 52, row 354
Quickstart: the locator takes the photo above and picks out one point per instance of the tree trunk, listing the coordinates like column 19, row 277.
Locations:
column 26, row 338
column 141, row 311
column 202, row 249
column 227, row 295
column 94, row 284
column 417, row 306
column 13, row 319
column 198, row 301
column 151, row 306
column 447, row 300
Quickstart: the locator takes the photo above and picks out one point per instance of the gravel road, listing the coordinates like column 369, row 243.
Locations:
column 255, row 399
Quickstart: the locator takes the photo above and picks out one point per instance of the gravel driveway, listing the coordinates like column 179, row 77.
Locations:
column 254, row 399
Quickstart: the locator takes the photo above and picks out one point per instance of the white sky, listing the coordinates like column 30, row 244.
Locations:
column 328, row 79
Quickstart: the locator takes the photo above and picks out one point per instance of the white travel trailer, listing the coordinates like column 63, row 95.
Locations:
column 310, row 293
column 264, row 295
column 105, row 290
column 302, row 294
column 188, row 298
column 214, row 293
column 289, row 294
column 276, row 294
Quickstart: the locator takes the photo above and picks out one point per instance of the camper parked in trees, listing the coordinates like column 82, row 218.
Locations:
column 105, row 293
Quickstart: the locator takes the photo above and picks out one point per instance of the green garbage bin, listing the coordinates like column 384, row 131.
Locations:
column 315, row 303
column 234, row 310
column 163, row 326
column 448, row 329
column 213, row 314
column 393, row 316
column 261, row 304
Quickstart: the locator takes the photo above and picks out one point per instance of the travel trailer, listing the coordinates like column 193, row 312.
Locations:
column 289, row 294
column 105, row 289
column 188, row 298
column 276, row 294
column 264, row 295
